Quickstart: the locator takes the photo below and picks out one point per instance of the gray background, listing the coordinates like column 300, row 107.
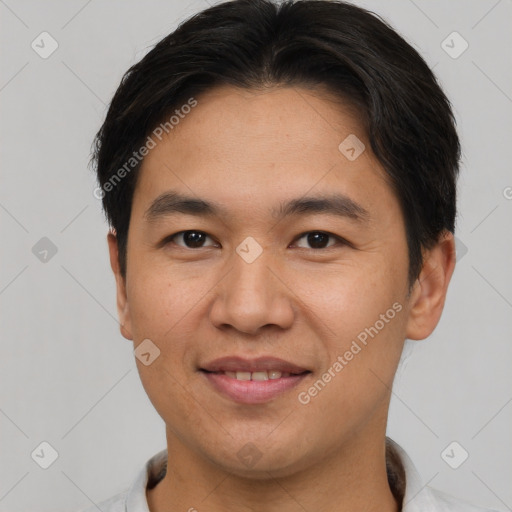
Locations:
column 67, row 375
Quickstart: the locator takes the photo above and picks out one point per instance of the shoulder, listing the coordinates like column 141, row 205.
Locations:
column 446, row 503
column 133, row 498
column 417, row 496
column 116, row 503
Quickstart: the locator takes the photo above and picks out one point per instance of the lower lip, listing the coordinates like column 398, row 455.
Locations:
column 252, row 391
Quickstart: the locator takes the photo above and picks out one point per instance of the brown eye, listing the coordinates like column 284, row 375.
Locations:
column 318, row 240
column 190, row 239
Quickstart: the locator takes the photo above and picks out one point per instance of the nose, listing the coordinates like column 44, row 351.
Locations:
column 252, row 296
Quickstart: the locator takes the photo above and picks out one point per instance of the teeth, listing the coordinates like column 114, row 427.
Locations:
column 261, row 375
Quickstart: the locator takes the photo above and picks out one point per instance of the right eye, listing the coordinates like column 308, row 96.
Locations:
column 190, row 239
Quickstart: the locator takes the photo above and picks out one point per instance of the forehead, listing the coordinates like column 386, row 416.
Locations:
column 254, row 146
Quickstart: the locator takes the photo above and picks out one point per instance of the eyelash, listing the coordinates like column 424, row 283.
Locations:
column 340, row 240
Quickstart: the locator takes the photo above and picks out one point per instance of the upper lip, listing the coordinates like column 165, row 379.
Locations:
column 260, row 364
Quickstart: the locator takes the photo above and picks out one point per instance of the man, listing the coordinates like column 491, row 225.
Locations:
column 280, row 180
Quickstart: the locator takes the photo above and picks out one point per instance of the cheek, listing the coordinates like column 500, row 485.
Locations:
column 159, row 299
column 160, row 307
column 355, row 383
column 166, row 306
column 360, row 313
column 350, row 297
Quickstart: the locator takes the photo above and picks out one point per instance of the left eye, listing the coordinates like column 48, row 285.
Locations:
column 318, row 239
column 190, row 239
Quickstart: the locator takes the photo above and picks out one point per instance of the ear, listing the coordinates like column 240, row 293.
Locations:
column 123, row 309
column 429, row 290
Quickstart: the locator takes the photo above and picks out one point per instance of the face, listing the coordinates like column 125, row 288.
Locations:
column 258, row 245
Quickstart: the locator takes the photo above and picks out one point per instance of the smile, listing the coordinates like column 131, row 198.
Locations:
column 252, row 387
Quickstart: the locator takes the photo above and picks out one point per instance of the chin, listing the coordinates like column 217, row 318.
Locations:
column 260, row 460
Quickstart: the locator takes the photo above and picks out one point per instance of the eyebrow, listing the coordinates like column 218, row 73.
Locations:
column 170, row 203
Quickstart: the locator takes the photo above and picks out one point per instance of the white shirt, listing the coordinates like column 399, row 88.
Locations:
column 417, row 496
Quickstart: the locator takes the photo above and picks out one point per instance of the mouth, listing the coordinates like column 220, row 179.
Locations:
column 257, row 375
column 252, row 381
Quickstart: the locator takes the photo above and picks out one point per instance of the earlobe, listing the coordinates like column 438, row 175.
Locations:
column 429, row 292
column 123, row 310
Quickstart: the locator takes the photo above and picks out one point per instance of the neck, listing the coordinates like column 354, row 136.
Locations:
column 352, row 478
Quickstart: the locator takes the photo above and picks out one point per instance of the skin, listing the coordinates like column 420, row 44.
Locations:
column 250, row 151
